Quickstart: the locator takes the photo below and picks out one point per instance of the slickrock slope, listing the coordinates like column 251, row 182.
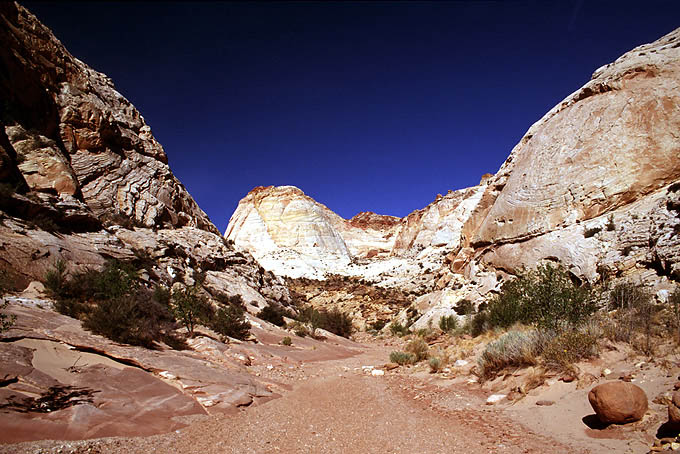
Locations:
column 594, row 184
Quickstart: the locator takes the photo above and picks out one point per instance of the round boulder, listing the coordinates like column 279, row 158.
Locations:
column 674, row 409
column 618, row 402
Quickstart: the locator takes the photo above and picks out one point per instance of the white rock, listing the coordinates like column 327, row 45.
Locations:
column 460, row 363
column 492, row 399
column 377, row 372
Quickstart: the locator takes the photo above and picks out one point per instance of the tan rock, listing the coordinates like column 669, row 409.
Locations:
column 674, row 409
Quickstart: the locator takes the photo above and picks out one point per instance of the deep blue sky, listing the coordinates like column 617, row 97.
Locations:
column 365, row 106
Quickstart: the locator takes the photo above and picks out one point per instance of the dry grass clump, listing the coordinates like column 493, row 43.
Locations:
column 419, row 348
column 402, row 358
column 513, row 349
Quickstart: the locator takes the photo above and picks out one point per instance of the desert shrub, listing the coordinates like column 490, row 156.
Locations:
column 419, row 348
column 588, row 233
column 635, row 312
column 6, row 321
column 377, row 325
column 134, row 318
column 464, row 307
column 397, row 329
column 337, row 322
column 273, row 314
column 190, row 307
column 287, row 341
column 230, row 321
column 476, row 325
column 448, row 323
column 56, row 278
column 435, row 364
column 162, row 295
column 402, row 358
column 545, row 297
column 611, row 225
column 513, row 349
column 562, row 350
column 300, row 329
column 334, row 321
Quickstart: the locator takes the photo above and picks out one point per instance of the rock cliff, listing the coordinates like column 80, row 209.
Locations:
column 594, row 184
column 84, row 180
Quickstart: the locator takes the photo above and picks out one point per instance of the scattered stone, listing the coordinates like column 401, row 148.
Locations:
column 676, row 386
column 618, row 402
column 606, row 372
column 627, row 377
column 545, row 403
column 460, row 363
column 390, row 366
column 377, row 372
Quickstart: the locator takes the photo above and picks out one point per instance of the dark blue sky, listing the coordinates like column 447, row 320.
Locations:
column 365, row 106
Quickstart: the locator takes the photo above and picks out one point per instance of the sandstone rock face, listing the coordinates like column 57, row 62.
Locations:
column 618, row 402
column 594, row 185
column 89, row 182
column 71, row 133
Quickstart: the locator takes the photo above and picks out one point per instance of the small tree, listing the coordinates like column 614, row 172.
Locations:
column 188, row 307
column 55, row 279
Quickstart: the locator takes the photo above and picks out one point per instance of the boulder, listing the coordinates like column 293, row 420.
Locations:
column 618, row 402
column 674, row 409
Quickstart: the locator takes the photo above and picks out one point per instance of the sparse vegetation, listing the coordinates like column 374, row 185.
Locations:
column 419, row 348
column 611, row 225
column 111, row 302
column 230, row 321
column 435, row 364
column 448, row 323
column 559, row 352
column 274, row 314
column 189, row 307
column 397, row 329
column 402, row 358
column 591, row 232
column 545, row 297
column 287, row 341
column 513, row 349
column 334, row 321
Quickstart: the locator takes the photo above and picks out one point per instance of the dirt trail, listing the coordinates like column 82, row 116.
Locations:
column 336, row 407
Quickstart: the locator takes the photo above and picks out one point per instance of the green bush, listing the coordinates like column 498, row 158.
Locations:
column 230, row 318
column 190, row 307
column 448, row 323
column 113, row 303
column 419, row 348
column 564, row 349
column 435, row 364
column 545, row 297
column 273, row 314
column 397, row 329
column 287, row 341
column 402, row 358
column 513, row 349
column 300, row 329
column 334, row 321
column 231, row 321
column 134, row 319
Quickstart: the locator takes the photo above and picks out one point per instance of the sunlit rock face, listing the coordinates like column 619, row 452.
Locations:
column 593, row 185
column 608, row 144
column 85, row 181
column 71, row 133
